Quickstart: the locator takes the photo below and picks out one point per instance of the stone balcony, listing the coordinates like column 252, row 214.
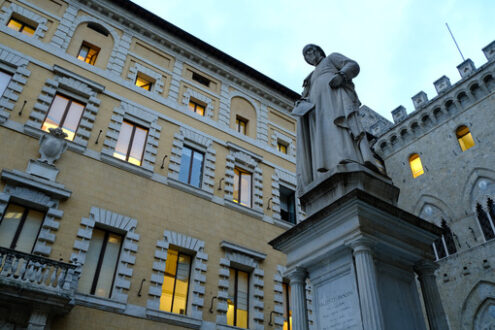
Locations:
column 38, row 286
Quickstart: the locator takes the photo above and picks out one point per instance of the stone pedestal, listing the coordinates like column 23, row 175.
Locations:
column 360, row 252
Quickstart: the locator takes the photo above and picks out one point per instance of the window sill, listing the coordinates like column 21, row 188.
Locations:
column 126, row 166
column 100, row 303
column 174, row 319
column 244, row 209
column 189, row 189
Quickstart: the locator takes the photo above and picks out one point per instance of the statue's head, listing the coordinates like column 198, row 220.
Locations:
column 313, row 54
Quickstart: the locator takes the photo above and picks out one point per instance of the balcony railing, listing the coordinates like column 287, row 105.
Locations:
column 42, row 279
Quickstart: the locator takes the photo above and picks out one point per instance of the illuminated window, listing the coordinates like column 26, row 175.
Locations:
column 19, row 228
column 196, row 107
column 88, row 53
column 444, row 245
column 143, row 82
column 191, row 166
column 202, row 80
column 131, row 143
column 100, row 265
column 4, row 81
column 287, row 204
column 286, row 305
column 464, row 138
column 416, row 166
column 64, row 113
column 282, row 147
column 175, row 286
column 238, row 299
column 22, row 27
column 242, row 187
column 241, row 125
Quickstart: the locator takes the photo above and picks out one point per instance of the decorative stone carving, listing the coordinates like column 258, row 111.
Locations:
column 52, row 145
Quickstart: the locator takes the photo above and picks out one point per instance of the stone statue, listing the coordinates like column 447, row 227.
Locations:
column 329, row 131
column 52, row 145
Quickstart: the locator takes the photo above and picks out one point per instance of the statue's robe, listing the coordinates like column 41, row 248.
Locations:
column 331, row 133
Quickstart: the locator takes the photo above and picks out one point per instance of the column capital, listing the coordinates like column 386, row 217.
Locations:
column 297, row 274
column 425, row 267
column 361, row 244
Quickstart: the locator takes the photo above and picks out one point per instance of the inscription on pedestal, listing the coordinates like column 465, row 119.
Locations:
column 338, row 304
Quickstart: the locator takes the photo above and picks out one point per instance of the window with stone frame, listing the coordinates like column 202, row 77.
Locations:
column 284, row 203
column 65, row 112
column 126, row 145
column 107, row 269
column 100, row 267
column 196, row 107
column 20, row 24
column 130, row 143
column 191, row 166
column 240, row 287
column 444, row 246
column 464, row 137
column 23, row 20
column 242, row 187
column 175, row 288
column 192, row 160
column 69, row 101
column 486, row 219
column 198, row 102
column 20, row 227
column 283, row 142
column 179, row 277
column 282, row 147
column 146, row 78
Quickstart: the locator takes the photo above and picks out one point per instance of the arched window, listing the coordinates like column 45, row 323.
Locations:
column 484, row 220
column 464, row 137
column 416, row 166
column 445, row 246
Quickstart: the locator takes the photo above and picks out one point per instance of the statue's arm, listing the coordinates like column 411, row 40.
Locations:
column 349, row 68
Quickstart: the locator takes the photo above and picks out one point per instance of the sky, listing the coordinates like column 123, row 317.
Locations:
column 402, row 46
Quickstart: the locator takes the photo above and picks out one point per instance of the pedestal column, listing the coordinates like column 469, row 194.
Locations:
column 298, row 298
column 431, row 296
column 371, row 311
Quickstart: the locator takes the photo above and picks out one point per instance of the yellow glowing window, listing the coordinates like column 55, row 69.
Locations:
column 98, row 273
column 242, row 187
column 88, row 53
column 143, row 82
column 176, row 282
column 196, row 107
column 21, row 27
column 65, row 113
column 19, row 228
column 416, row 166
column 131, row 143
column 282, row 147
column 464, row 138
column 238, row 299
column 286, row 305
column 241, row 125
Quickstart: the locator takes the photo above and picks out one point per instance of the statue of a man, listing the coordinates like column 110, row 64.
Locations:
column 329, row 129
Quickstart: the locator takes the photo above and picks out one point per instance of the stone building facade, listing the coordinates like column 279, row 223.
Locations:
column 441, row 157
column 179, row 169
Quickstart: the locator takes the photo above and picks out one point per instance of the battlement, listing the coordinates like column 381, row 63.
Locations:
column 475, row 84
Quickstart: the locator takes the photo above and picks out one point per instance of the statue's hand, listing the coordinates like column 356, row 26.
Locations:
column 336, row 81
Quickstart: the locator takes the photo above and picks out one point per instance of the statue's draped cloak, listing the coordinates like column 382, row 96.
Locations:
column 331, row 133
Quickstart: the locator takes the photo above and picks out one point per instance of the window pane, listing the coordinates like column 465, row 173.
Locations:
column 4, row 81
column 242, row 299
column 416, row 166
column 196, row 170
column 246, row 189
column 185, row 164
column 466, row 142
column 108, row 266
column 15, row 25
column 237, row 175
column 138, row 144
column 231, row 297
column 91, row 261
column 27, row 30
column 123, row 141
column 181, row 284
column 9, row 224
column 200, row 109
column 72, row 119
column 169, row 280
column 143, row 83
column 83, row 52
column 55, row 113
column 29, row 232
